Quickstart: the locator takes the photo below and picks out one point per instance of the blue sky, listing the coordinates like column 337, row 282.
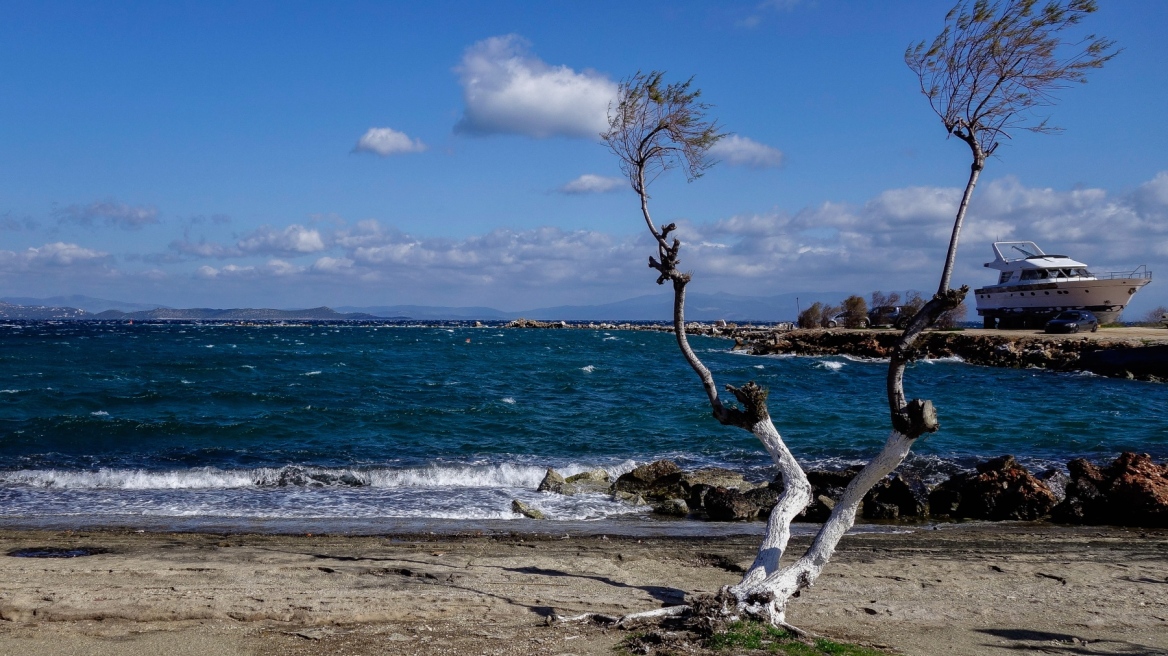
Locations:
column 299, row 154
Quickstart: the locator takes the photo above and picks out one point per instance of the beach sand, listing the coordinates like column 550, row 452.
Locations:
column 954, row 589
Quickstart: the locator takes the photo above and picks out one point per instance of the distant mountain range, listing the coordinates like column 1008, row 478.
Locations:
column 656, row 307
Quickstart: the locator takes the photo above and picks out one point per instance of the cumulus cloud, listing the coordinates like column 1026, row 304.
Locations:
column 508, row 90
column 590, row 183
column 110, row 213
column 56, row 254
column 387, row 141
column 895, row 240
column 293, row 240
column 740, row 151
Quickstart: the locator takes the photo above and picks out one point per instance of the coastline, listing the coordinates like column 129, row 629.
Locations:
column 976, row 588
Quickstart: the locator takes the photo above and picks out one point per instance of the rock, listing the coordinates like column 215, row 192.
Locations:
column 826, row 488
column 642, row 478
column 674, row 507
column 518, row 506
column 764, row 498
column 899, row 496
column 725, row 505
column 631, row 498
column 589, row 482
column 1132, row 491
column 552, row 482
column 1000, row 489
column 593, row 476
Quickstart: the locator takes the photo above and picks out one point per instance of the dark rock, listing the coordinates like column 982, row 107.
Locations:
column 1000, row 489
column 1132, row 491
column 674, row 507
column 826, row 489
column 643, row 478
column 552, row 482
column 725, row 505
column 518, row 506
column 764, row 498
column 899, row 496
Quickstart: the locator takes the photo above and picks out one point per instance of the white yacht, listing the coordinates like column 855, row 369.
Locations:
column 1033, row 286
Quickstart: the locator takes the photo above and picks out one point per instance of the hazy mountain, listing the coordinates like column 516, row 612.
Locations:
column 87, row 303
column 429, row 313
column 655, row 307
column 235, row 314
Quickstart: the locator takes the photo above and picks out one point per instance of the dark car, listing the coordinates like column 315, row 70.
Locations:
column 888, row 315
column 1072, row 321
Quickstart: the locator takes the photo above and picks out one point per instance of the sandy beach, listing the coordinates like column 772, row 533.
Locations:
column 976, row 589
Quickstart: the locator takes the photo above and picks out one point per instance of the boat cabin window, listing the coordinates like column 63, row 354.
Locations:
column 1033, row 274
column 1005, row 277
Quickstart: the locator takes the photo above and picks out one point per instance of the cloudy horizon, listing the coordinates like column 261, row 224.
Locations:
column 468, row 170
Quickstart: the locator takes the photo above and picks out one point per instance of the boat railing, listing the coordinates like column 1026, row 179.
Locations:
column 1140, row 273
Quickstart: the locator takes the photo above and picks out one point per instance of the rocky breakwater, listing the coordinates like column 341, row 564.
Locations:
column 1132, row 491
column 1144, row 358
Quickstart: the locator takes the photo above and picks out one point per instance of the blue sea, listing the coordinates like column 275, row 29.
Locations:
column 385, row 427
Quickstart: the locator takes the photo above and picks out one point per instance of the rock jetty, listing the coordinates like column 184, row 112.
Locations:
column 1132, row 491
column 1141, row 358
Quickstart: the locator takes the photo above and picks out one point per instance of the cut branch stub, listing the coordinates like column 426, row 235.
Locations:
column 754, row 406
column 917, row 418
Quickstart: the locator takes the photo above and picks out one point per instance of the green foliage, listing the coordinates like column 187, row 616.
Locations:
column 812, row 317
column 998, row 61
column 857, row 311
column 757, row 636
column 655, row 126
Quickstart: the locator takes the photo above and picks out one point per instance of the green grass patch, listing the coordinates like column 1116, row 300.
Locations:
column 764, row 637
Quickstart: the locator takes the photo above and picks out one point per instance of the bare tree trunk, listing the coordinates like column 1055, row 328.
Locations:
column 951, row 255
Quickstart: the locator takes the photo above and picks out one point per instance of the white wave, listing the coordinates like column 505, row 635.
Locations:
column 505, row 475
column 830, row 365
column 11, row 391
column 947, row 358
column 610, row 338
column 100, row 413
column 184, row 381
column 861, row 358
column 248, row 366
column 759, row 366
column 508, row 399
column 588, row 369
column 312, row 373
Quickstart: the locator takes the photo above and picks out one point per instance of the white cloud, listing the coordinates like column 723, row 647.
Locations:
column 293, row 240
column 590, row 183
column 740, row 151
column 111, row 213
column 387, row 141
column 507, row 90
column 56, row 254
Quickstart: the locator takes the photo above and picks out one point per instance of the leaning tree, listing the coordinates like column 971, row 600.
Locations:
column 992, row 70
column 655, row 126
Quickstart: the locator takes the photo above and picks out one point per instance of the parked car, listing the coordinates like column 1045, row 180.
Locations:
column 1072, row 321
column 888, row 315
column 1164, row 319
column 841, row 319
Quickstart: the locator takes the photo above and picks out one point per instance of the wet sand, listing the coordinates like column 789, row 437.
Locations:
column 957, row 589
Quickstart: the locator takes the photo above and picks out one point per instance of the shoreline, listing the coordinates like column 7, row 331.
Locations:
column 977, row 588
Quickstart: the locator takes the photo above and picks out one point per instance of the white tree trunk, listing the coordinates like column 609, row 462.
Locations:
column 766, row 597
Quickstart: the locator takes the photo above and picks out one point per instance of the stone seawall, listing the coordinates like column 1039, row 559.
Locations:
column 1117, row 353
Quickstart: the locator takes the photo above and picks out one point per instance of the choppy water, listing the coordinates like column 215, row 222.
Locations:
column 244, row 426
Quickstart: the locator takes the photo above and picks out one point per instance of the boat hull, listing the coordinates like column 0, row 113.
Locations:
column 1038, row 301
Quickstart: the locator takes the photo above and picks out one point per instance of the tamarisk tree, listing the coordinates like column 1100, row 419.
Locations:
column 656, row 126
column 993, row 68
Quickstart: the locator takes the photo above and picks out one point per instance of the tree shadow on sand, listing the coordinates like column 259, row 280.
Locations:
column 1065, row 643
column 660, row 593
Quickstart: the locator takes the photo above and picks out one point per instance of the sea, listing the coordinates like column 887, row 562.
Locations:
column 373, row 428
